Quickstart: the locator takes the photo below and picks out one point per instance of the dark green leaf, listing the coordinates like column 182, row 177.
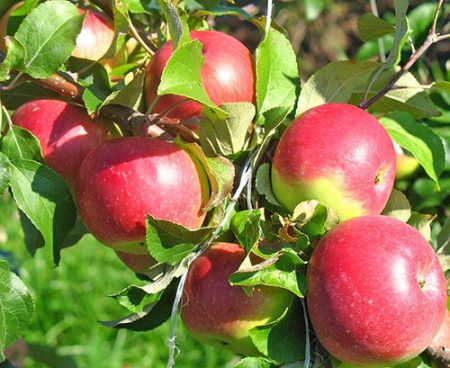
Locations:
column 181, row 76
column 20, row 144
column 47, row 355
column 277, row 78
column 284, row 339
column 24, row 93
column 32, row 236
column 16, row 307
column 45, row 199
column 48, row 35
column 152, row 316
column 135, row 6
column 246, row 226
column 442, row 86
column 370, row 27
column 168, row 242
column 173, row 21
column 398, row 206
column 280, row 270
column 227, row 136
column 418, row 139
column 336, row 82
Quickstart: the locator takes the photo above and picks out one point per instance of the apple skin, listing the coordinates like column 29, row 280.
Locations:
column 228, row 75
column 138, row 263
column 219, row 314
column 376, row 292
column 65, row 132
column 95, row 38
column 440, row 346
column 337, row 154
column 125, row 179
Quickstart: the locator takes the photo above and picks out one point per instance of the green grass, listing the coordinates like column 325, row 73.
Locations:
column 72, row 298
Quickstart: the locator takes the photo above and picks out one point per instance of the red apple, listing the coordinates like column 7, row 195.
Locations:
column 125, row 179
column 66, row 133
column 440, row 346
column 337, row 154
column 228, row 74
column 138, row 263
column 219, row 314
column 95, row 38
column 376, row 291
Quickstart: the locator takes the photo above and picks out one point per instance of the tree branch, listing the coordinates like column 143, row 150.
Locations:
column 432, row 38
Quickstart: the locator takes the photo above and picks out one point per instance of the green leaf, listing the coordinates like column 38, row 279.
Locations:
column 443, row 238
column 408, row 95
column 130, row 96
column 32, row 236
column 173, row 21
column 336, row 82
column 168, row 242
column 218, row 10
column 280, row 270
column 284, row 339
column 442, row 86
column 313, row 8
column 422, row 223
column 23, row 93
column 48, row 35
column 264, row 186
column 277, row 78
column 370, row 27
column 13, row 60
column 253, row 362
column 182, row 75
column 153, row 314
column 121, row 28
column 219, row 171
column 45, row 199
column 20, row 144
column 401, row 32
column 135, row 298
column 226, row 136
column 398, row 206
column 16, row 307
column 4, row 172
column 419, row 140
column 246, row 226
column 313, row 218
column 96, row 86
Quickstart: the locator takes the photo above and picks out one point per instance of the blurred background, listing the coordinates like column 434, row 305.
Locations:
column 72, row 298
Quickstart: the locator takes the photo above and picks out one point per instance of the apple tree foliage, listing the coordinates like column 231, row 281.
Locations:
column 232, row 146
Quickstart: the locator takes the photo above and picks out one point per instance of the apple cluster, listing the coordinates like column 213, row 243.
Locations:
column 376, row 292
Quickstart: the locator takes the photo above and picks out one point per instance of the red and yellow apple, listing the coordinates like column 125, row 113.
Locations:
column 125, row 179
column 339, row 155
column 376, row 294
column 228, row 75
column 96, row 36
column 65, row 132
column 222, row 315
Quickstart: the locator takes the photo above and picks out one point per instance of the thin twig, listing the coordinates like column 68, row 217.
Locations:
column 431, row 39
column 307, row 341
column 269, row 15
column 138, row 37
column 14, row 83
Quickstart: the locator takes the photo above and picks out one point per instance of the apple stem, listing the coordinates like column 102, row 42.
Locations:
column 432, row 38
column 307, row 341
